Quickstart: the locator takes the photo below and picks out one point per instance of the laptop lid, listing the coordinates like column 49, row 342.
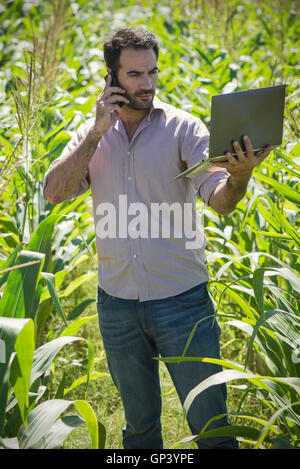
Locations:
column 257, row 113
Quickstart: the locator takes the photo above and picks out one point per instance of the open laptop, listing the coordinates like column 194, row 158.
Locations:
column 257, row 113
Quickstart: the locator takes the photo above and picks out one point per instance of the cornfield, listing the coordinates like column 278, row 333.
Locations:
column 52, row 70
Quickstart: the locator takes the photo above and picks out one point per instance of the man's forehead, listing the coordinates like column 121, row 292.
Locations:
column 144, row 58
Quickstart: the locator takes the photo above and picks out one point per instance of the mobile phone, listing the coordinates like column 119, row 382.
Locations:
column 114, row 82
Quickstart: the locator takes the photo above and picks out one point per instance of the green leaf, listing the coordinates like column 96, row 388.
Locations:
column 44, row 355
column 287, row 191
column 272, row 420
column 101, row 435
column 59, row 278
column 89, row 416
column 42, row 238
column 8, row 263
column 77, row 282
column 229, row 430
column 9, row 331
column 291, row 275
column 240, row 415
column 282, row 443
column 91, row 356
column 50, row 281
column 57, row 129
column 59, row 431
column 84, row 240
column 61, row 388
column 44, row 416
column 9, row 443
column 193, row 332
column 283, row 222
column 230, row 375
column 60, row 140
column 258, row 287
column 80, row 308
column 217, row 361
column 21, row 366
column 40, row 420
column 73, row 328
column 19, row 298
column 240, row 299
column 83, row 379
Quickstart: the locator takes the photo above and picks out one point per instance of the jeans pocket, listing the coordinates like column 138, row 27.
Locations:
column 103, row 297
column 193, row 297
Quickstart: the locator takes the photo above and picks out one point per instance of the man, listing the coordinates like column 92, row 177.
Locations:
column 152, row 286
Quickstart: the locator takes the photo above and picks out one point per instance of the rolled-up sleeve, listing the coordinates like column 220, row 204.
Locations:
column 195, row 148
column 210, row 183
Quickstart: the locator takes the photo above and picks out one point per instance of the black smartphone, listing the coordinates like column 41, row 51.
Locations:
column 114, row 82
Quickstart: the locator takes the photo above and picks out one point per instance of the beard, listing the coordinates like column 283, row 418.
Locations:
column 138, row 104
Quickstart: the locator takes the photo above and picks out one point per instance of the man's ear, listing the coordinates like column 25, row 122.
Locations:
column 108, row 69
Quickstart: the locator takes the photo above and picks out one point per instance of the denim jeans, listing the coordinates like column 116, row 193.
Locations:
column 134, row 333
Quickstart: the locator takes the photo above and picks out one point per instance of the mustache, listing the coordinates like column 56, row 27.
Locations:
column 142, row 92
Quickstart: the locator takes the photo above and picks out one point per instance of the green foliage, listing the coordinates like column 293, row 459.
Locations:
column 24, row 380
column 51, row 73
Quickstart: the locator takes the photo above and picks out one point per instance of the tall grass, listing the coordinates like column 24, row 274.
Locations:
column 52, row 69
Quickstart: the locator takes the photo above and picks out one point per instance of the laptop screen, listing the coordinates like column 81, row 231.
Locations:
column 257, row 113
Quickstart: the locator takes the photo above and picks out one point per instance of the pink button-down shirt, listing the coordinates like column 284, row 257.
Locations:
column 145, row 248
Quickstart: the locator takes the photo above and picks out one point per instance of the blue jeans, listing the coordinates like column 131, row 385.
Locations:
column 135, row 332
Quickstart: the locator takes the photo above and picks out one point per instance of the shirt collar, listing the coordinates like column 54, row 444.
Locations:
column 157, row 104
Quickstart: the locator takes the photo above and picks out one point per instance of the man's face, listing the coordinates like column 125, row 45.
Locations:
column 138, row 75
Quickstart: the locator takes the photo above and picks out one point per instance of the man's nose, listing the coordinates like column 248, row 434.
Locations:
column 146, row 83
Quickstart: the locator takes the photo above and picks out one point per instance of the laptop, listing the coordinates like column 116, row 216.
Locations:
column 257, row 113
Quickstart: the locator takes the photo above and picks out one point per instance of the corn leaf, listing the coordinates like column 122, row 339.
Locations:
column 59, row 431
column 20, row 298
column 230, row 375
column 41, row 419
column 21, row 367
column 42, row 238
column 288, row 192
column 50, row 281
column 44, row 355
column 9, row 331
column 73, row 328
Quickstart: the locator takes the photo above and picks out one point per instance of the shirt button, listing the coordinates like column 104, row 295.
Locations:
column 134, row 256
column 129, row 153
column 129, row 178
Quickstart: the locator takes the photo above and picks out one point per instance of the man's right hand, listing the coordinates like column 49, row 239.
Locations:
column 64, row 178
column 107, row 107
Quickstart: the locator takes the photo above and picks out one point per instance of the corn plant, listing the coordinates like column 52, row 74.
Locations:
column 27, row 419
column 207, row 48
column 33, row 268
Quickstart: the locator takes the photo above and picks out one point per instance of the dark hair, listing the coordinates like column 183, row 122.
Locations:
column 136, row 38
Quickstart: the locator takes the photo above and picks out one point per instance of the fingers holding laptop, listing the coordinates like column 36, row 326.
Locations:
column 255, row 159
column 243, row 162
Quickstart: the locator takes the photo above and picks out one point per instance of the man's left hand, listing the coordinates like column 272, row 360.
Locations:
column 241, row 166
